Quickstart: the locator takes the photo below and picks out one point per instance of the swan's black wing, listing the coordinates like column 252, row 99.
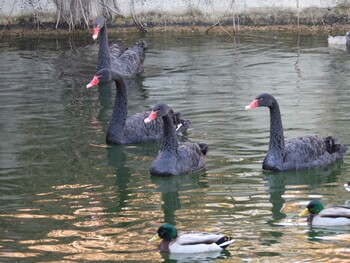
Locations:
column 116, row 50
column 190, row 157
column 130, row 63
column 311, row 151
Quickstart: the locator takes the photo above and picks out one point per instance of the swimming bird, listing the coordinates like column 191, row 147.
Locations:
column 189, row 242
column 297, row 153
column 174, row 158
column 123, row 129
column 347, row 186
column 128, row 62
column 331, row 216
column 339, row 40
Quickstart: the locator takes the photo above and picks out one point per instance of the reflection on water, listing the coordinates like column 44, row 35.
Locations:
column 65, row 195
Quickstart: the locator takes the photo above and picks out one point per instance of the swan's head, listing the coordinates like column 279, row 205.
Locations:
column 102, row 76
column 263, row 100
column 167, row 232
column 97, row 25
column 158, row 110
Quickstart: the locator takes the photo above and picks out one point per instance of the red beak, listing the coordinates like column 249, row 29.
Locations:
column 151, row 117
column 95, row 32
column 93, row 82
column 254, row 104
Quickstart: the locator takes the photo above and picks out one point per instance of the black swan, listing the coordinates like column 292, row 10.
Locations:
column 174, row 158
column 128, row 62
column 132, row 129
column 297, row 153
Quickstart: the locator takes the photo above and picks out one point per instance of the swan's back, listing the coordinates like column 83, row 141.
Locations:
column 130, row 63
column 135, row 130
column 311, row 151
column 191, row 157
column 116, row 50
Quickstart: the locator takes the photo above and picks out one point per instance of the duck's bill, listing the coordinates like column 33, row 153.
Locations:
column 155, row 238
column 305, row 212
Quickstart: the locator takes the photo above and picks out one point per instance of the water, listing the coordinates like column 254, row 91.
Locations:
column 66, row 197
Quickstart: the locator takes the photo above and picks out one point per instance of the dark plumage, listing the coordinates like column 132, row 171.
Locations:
column 128, row 62
column 132, row 129
column 297, row 153
column 174, row 158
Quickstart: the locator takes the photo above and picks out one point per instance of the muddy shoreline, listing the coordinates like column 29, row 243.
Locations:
column 6, row 31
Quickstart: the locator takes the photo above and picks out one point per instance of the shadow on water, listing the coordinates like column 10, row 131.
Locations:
column 203, row 257
column 278, row 183
column 126, row 157
column 171, row 187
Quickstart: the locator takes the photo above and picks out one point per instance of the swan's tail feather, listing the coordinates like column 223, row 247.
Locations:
column 332, row 146
column 141, row 44
column 181, row 124
column 224, row 242
column 203, row 147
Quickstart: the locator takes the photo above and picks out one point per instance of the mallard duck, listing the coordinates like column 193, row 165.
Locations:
column 331, row 216
column 189, row 242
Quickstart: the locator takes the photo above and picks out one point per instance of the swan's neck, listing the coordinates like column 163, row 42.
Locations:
column 104, row 60
column 120, row 110
column 276, row 145
column 170, row 142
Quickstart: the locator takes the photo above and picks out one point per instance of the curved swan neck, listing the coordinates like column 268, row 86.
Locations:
column 276, row 144
column 120, row 110
column 104, row 60
column 170, row 142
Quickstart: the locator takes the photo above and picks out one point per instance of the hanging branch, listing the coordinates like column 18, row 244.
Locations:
column 218, row 22
column 8, row 17
column 83, row 13
column 135, row 18
column 298, row 13
column 115, row 10
column 59, row 14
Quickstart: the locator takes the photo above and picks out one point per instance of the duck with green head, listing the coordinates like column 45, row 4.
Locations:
column 331, row 216
column 189, row 242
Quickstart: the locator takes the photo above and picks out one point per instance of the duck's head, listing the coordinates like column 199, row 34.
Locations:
column 314, row 207
column 101, row 76
column 167, row 232
column 263, row 100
